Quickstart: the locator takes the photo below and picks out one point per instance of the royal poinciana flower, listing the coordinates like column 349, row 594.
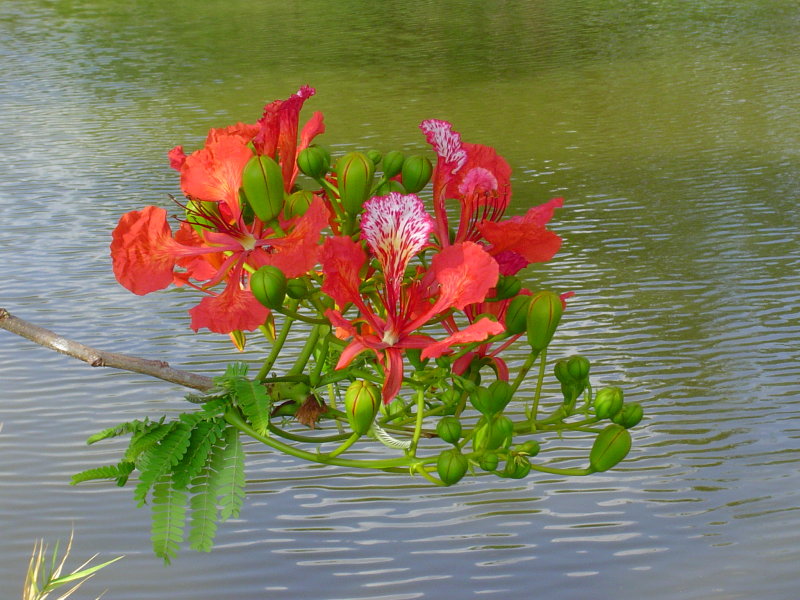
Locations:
column 479, row 180
column 217, row 242
column 396, row 228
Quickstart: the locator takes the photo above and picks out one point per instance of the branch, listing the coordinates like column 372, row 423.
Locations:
column 98, row 358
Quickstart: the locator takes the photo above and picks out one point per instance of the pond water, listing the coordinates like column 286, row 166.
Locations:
column 670, row 128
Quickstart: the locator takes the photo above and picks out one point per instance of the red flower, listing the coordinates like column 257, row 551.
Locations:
column 480, row 180
column 220, row 244
column 396, row 228
column 145, row 255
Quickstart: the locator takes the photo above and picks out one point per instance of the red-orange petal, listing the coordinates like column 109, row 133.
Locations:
column 233, row 309
column 142, row 250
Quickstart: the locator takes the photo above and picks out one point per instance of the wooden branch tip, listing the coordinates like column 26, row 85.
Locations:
column 99, row 358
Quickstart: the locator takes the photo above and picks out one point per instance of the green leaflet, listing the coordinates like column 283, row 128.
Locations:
column 203, row 437
column 169, row 515
column 203, row 524
column 229, row 467
column 121, row 429
column 119, row 472
column 252, row 398
column 159, row 459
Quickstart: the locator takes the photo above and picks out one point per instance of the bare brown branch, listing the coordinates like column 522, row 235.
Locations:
column 99, row 358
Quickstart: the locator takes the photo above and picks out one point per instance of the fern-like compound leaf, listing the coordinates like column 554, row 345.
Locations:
column 203, row 522
column 169, row 517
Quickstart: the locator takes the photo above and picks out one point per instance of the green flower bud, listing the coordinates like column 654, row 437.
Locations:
column 361, row 402
column 607, row 402
column 500, row 393
column 562, row 373
column 268, row 285
column 449, row 429
column 416, row 173
column 314, row 161
column 354, row 173
column 262, row 184
column 489, row 461
column 517, row 467
column 544, row 314
column 529, row 448
column 610, row 447
column 374, row 156
column 297, row 288
column 630, row 415
column 492, row 433
column 517, row 314
column 297, row 204
column 507, row 286
column 392, row 163
column 451, row 466
column 578, row 367
column 390, row 186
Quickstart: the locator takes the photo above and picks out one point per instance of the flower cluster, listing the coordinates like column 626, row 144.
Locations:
column 401, row 308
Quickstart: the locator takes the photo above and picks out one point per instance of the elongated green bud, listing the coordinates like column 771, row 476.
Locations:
column 268, row 285
column 375, row 156
column 609, row 448
column 517, row 314
column 392, row 163
column 451, row 466
column 314, row 161
column 416, row 173
column 607, row 402
column 354, row 173
column 361, row 401
column 262, row 183
column 544, row 314
column 297, row 288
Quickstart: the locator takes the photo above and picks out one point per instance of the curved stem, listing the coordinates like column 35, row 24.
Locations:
column 234, row 419
column 344, row 445
column 538, row 394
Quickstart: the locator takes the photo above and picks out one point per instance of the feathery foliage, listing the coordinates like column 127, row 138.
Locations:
column 191, row 468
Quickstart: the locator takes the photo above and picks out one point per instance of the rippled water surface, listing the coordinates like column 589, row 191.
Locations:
column 670, row 128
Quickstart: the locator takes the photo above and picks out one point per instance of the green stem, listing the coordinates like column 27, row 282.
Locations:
column 306, row 439
column 322, row 355
column 344, row 446
column 298, row 317
column 302, row 359
column 236, row 420
column 418, row 468
column 557, row 471
column 523, row 372
column 418, row 425
column 277, row 346
column 538, row 394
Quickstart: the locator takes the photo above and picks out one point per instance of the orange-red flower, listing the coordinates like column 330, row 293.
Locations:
column 218, row 242
column 480, row 180
column 395, row 229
